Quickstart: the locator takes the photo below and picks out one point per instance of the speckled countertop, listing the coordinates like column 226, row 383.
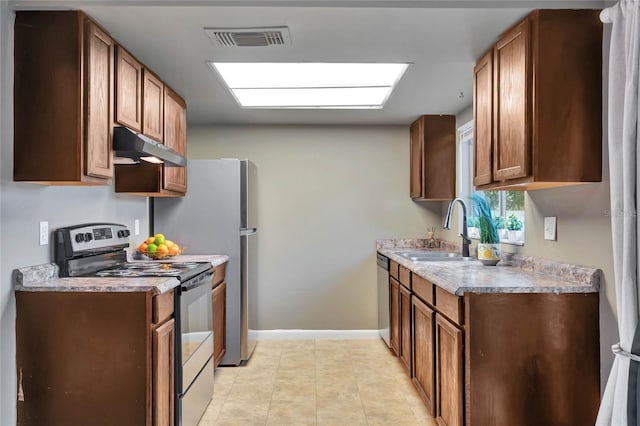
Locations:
column 518, row 274
column 46, row 278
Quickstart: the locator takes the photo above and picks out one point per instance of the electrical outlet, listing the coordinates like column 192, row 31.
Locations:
column 550, row 228
column 136, row 227
column 44, row 233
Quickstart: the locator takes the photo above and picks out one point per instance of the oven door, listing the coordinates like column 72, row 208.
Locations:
column 194, row 349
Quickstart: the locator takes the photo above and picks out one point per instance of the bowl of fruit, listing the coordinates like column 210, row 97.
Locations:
column 158, row 247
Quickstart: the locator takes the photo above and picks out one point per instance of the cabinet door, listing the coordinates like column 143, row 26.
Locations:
column 394, row 315
column 405, row 329
column 162, row 386
column 423, row 349
column 416, row 159
column 153, row 111
column 175, row 137
column 449, row 385
column 439, row 157
column 219, row 303
column 98, row 108
column 128, row 90
column 482, row 118
column 511, row 150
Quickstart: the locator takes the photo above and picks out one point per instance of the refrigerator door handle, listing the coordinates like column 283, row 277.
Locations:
column 248, row 231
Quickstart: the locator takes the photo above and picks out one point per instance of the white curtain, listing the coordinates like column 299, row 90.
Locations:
column 624, row 166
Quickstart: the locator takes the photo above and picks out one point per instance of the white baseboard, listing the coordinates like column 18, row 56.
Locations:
column 313, row 334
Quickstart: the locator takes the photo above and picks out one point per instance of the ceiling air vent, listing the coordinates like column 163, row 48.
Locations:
column 249, row 37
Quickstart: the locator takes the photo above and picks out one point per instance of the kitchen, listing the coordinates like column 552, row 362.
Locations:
column 318, row 223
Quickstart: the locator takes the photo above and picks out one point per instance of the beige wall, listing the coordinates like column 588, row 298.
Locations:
column 583, row 237
column 325, row 195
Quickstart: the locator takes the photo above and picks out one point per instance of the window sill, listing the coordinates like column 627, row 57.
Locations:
column 505, row 241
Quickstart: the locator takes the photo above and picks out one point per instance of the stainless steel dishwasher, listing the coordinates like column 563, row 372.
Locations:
column 383, row 297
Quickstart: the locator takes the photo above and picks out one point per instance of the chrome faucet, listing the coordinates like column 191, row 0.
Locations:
column 447, row 224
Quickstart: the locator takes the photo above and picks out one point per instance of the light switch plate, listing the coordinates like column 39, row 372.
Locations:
column 136, row 227
column 550, row 228
column 44, row 233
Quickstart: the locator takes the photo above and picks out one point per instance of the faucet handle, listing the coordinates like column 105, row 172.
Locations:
column 465, row 239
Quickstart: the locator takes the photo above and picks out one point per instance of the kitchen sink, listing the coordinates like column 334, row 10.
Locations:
column 432, row 256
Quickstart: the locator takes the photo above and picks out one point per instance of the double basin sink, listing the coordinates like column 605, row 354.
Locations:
column 432, row 256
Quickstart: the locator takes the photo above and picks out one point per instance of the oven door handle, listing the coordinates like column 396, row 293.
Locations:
column 197, row 281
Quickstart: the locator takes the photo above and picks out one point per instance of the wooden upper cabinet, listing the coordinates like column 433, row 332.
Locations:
column 63, row 99
column 433, row 158
column 511, row 147
column 128, row 90
column 545, row 127
column 153, row 114
column 175, row 137
column 416, row 160
column 482, row 118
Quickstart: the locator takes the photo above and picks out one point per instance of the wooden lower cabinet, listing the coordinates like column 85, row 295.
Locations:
column 394, row 316
column 449, row 377
column 93, row 358
column 422, row 317
column 405, row 329
column 163, row 377
column 219, row 307
column 219, row 303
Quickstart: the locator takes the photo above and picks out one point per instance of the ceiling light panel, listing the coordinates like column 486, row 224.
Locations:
column 310, row 85
column 348, row 97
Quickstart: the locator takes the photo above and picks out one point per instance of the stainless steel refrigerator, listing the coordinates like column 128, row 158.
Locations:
column 217, row 216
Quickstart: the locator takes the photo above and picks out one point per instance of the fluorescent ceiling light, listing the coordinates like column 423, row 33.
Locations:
column 310, row 85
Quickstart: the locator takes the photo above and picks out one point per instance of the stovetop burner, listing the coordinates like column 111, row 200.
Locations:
column 116, row 273
column 180, row 270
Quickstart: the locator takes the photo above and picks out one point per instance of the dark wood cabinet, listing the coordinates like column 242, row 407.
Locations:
column 219, row 306
column 94, row 358
column 449, row 378
column 405, row 329
column 175, row 137
column 546, row 129
column 63, row 99
column 128, row 90
column 153, row 106
column 394, row 316
column 163, row 377
column 433, row 158
column 423, row 352
column 483, row 119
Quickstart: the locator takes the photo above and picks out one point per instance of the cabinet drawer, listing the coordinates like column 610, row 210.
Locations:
column 422, row 288
column 449, row 305
column 218, row 275
column 393, row 269
column 405, row 277
column 162, row 307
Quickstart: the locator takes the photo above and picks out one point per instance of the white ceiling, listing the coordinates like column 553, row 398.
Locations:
column 442, row 39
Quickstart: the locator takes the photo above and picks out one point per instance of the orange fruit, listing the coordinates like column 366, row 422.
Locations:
column 168, row 243
column 143, row 247
column 150, row 240
column 162, row 249
column 174, row 250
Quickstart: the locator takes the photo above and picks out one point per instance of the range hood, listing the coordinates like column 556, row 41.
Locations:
column 137, row 147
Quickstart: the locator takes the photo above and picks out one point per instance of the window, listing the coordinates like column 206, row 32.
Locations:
column 507, row 207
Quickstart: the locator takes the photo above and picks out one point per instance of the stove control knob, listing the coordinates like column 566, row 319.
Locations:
column 126, row 232
column 121, row 234
column 79, row 238
column 88, row 236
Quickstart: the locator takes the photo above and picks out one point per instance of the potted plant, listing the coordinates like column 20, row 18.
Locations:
column 501, row 227
column 489, row 247
column 514, row 226
column 472, row 225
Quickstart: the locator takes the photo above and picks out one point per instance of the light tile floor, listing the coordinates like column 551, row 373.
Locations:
column 316, row 382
